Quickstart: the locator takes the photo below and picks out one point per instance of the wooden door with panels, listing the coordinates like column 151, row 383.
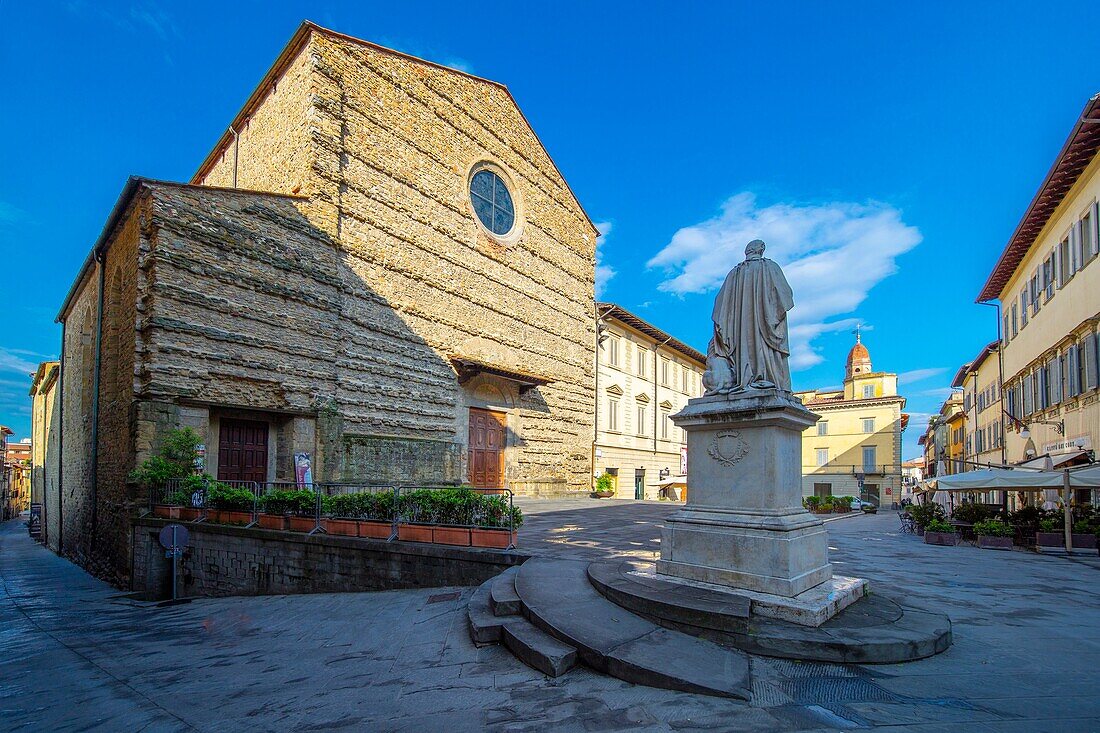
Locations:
column 486, row 452
column 242, row 450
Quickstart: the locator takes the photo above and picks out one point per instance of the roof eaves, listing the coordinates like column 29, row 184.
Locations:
column 622, row 314
column 1039, row 210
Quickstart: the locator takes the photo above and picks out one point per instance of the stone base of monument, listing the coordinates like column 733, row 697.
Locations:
column 744, row 527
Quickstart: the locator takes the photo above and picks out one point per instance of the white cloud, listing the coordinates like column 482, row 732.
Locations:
column 941, row 392
column 14, row 360
column 919, row 375
column 604, row 272
column 832, row 255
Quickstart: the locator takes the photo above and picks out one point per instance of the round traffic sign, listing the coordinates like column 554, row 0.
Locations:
column 173, row 536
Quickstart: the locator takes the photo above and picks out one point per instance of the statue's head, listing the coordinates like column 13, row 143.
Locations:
column 755, row 248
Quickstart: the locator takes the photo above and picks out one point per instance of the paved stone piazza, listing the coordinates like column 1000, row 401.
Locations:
column 80, row 655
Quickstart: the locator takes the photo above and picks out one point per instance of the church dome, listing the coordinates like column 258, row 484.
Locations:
column 859, row 359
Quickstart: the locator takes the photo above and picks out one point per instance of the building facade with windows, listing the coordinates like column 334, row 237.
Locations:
column 644, row 377
column 1047, row 283
column 45, row 417
column 982, row 416
column 378, row 265
column 855, row 448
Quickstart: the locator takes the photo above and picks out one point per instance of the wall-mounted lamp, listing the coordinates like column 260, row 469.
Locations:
column 1058, row 425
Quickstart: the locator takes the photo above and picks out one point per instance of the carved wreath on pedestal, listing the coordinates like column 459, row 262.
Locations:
column 728, row 447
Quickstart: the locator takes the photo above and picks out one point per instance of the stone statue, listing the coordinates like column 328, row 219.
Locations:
column 750, row 348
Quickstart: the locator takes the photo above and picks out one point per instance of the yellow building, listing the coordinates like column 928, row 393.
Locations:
column 858, row 438
column 644, row 377
column 1047, row 282
column 981, row 394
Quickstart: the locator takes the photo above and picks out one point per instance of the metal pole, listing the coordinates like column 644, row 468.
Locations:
column 175, row 560
column 1066, row 513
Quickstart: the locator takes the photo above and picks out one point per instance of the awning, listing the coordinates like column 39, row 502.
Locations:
column 467, row 369
column 990, row 479
column 1056, row 459
column 674, row 481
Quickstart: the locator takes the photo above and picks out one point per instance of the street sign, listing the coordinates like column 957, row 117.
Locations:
column 173, row 538
column 34, row 526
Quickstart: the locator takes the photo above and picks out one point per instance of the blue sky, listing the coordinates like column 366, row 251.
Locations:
column 885, row 151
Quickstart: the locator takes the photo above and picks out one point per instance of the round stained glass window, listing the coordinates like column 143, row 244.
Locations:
column 492, row 202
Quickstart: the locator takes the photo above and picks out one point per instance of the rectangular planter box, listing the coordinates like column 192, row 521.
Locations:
column 940, row 538
column 342, row 527
column 1050, row 539
column 272, row 521
column 414, row 532
column 376, row 530
column 224, row 516
column 495, row 538
column 188, row 513
column 459, row 536
column 994, row 543
column 167, row 512
column 302, row 524
column 1084, row 541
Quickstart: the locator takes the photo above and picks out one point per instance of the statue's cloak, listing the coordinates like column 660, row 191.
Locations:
column 750, row 319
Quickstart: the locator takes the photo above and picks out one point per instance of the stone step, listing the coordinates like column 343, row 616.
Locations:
column 557, row 597
column 663, row 600
column 536, row 648
column 503, row 599
column 485, row 626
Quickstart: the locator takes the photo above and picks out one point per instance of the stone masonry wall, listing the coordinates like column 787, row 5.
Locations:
column 227, row 561
column 392, row 141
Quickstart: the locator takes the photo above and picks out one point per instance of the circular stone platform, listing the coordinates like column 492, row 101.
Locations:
column 873, row 630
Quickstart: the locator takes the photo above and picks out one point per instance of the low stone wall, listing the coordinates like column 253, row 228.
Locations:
column 234, row 561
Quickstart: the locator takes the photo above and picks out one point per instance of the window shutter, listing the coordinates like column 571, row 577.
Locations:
column 1095, row 229
column 1074, row 247
column 1090, row 362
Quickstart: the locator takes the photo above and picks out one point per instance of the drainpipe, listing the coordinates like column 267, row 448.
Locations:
column 101, row 259
column 60, row 443
column 236, row 153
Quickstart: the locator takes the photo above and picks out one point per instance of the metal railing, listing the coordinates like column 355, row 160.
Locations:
column 373, row 510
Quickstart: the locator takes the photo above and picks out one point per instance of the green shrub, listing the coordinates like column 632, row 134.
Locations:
column 1047, row 525
column 289, row 501
column 605, row 483
column 844, row 501
column 971, row 513
column 925, row 513
column 811, row 502
column 938, row 525
column 458, row 506
column 1081, row 527
column 993, row 528
column 227, row 498
column 175, row 459
column 376, row 506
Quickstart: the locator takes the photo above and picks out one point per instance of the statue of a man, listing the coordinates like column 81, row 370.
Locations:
column 750, row 347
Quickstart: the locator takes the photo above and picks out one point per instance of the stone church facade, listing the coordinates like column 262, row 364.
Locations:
column 378, row 264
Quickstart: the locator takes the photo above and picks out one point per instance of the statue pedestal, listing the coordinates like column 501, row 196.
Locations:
column 744, row 525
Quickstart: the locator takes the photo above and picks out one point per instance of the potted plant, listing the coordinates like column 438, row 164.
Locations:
column 994, row 534
column 605, row 486
column 842, row 504
column 303, row 515
column 1083, row 537
column 493, row 530
column 416, row 515
column 377, row 521
column 228, row 504
column 924, row 513
column 939, row 532
column 278, row 505
column 1048, row 534
column 343, row 511
column 826, row 506
column 811, row 503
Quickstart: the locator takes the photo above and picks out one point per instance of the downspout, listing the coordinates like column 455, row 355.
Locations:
column 60, row 443
column 236, row 153
column 101, row 259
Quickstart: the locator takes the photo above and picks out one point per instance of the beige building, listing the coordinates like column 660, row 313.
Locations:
column 378, row 265
column 1047, row 282
column 644, row 377
column 855, row 448
column 983, row 428
column 45, row 417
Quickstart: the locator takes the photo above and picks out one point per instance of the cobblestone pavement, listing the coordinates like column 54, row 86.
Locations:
column 76, row 654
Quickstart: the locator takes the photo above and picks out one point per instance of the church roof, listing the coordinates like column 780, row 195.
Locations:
column 859, row 352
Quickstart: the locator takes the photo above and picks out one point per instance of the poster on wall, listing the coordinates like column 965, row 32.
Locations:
column 683, row 460
column 34, row 526
column 303, row 471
